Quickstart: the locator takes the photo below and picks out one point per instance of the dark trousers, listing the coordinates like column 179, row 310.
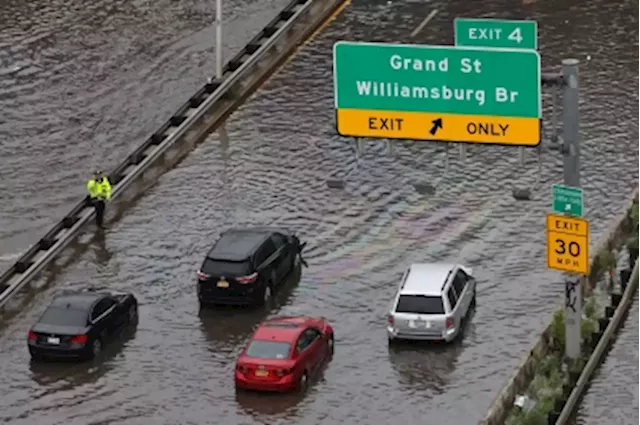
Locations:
column 98, row 204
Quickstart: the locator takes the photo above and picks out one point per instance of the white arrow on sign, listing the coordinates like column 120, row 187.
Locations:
column 567, row 207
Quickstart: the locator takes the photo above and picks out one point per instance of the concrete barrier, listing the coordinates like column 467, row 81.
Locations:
column 521, row 378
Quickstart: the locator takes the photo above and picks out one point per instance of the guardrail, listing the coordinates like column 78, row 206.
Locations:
column 599, row 352
column 177, row 129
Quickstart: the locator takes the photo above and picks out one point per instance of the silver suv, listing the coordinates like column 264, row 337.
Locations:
column 431, row 303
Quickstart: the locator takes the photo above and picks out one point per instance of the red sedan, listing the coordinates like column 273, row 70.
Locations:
column 284, row 353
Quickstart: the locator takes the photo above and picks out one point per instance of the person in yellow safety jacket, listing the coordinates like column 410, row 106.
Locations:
column 99, row 191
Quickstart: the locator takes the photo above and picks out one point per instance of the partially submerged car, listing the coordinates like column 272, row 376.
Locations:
column 431, row 302
column 79, row 324
column 248, row 266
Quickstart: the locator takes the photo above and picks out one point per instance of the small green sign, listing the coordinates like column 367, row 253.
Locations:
column 496, row 33
column 567, row 200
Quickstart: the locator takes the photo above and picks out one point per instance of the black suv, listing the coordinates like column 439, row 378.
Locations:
column 247, row 266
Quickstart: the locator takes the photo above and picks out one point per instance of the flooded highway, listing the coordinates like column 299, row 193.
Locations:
column 82, row 85
column 612, row 397
column 269, row 167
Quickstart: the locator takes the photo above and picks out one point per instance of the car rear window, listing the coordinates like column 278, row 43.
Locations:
column 268, row 349
column 420, row 304
column 64, row 317
column 226, row 268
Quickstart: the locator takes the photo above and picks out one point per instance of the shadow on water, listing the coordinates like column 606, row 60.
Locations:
column 426, row 365
column 272, row 404
column 77, row 374
column 230, row 323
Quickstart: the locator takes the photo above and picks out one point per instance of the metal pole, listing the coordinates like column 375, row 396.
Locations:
column 218, row 39
column 571, row 123
column 521, row 156
column 571, row 155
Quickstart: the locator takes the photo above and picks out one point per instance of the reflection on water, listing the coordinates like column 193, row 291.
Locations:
column 235, row 323
column 270, row 404
column 426, row 365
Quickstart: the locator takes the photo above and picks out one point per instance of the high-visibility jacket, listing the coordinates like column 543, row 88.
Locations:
column 99, row 188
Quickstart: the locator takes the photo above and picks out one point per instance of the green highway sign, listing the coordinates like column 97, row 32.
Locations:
column 496, row 33
column 567, row 200
column 439, row 93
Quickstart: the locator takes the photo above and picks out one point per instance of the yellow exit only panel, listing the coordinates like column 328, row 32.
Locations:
column 438, row 127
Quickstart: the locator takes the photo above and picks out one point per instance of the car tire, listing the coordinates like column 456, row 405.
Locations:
column 303, row 383
column 95, row 349
column 331, row 345
column 472, row 304
column 37, row 358
column 132, row 315
column 267, row 295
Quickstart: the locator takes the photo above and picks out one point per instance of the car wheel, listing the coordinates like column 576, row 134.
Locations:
column 473, row 300
column 331, row 345
column 304, row 381
column 266, row 296
column 37, row 358
column 96, row 348
column 132, row 315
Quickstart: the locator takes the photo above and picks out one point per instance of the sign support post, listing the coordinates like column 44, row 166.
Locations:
column 571, row 153
column 218, row 39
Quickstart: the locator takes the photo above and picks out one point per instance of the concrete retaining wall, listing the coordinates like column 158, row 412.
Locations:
column 521, row 378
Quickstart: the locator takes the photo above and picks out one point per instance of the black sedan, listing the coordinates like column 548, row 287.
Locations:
column 248, row 266
column 79, row 324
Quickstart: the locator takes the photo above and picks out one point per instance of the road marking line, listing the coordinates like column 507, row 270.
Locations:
column 424, row 23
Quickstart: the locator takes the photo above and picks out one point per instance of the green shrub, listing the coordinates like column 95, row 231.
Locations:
column 633, row 215
column 592, row 308
column 632, row 242
column 556, row 330
column 587, row 327
column 607, row 260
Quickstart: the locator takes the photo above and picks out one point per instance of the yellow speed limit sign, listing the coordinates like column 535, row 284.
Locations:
column 568, row 244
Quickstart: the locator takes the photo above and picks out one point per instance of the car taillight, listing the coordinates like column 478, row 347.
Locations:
column 242, row 369
column 449, row 323
column 32, row 336
column 391, row 320
column 79, row 339
column 202, row 276
column 247, row 279
column 284, row 372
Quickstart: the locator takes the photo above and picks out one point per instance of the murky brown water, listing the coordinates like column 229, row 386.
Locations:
column 282, row 146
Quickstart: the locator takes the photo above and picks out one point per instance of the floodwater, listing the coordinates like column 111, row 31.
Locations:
column 270, row 167
column 612, row 397
column 83, row 83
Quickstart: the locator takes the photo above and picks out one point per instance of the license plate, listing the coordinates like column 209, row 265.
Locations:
column 52, row 340
column 262, row 373
column 223, row 284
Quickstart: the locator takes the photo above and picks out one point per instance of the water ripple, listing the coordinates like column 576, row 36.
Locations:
column 282, row 149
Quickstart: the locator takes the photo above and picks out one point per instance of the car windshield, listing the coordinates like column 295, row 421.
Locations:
column 268, row 349
column 226, row 268
column 420, row 304
column 64, row 317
